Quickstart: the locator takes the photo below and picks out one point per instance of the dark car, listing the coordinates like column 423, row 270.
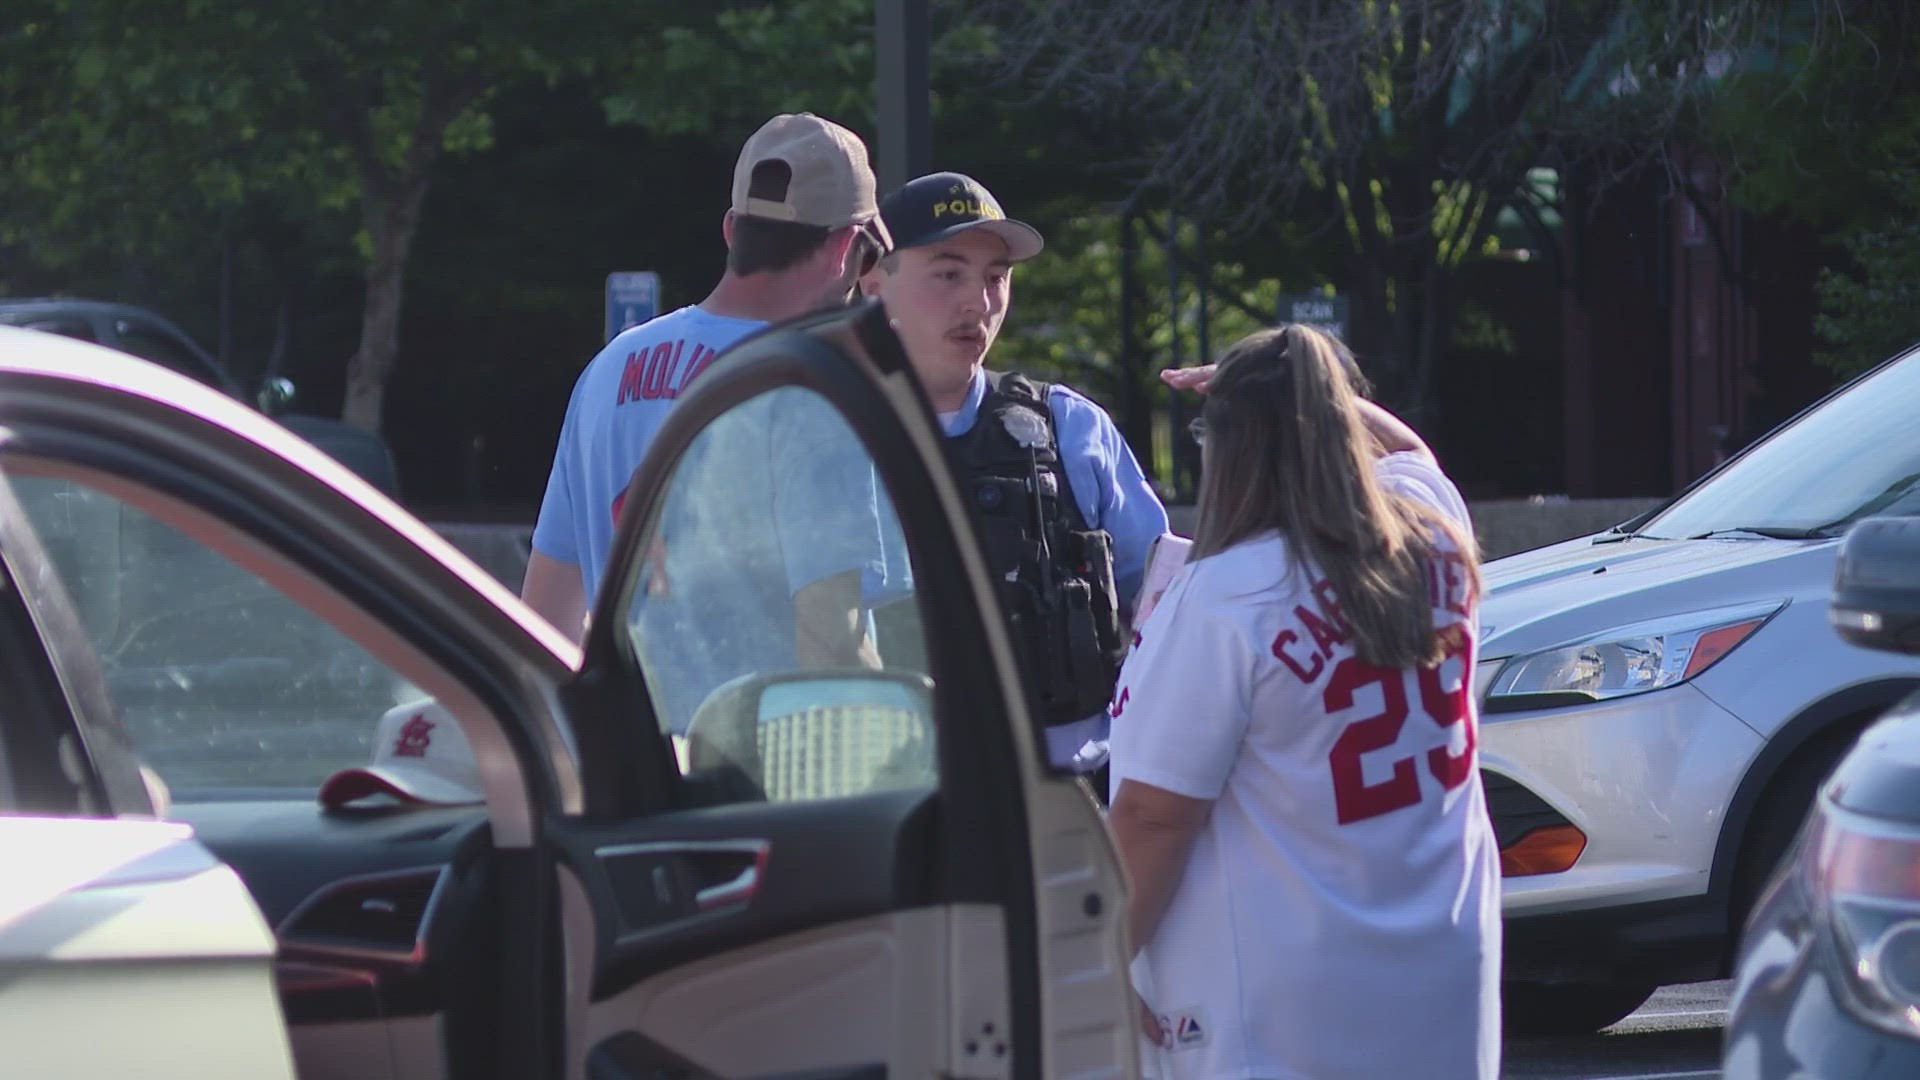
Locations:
column 149, row 336
column 1828, row 983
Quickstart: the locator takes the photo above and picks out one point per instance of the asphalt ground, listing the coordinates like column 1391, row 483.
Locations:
column 1675, row 1036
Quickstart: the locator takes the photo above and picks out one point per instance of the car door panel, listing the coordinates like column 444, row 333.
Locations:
column 630, row 1056
column 864, row 931
column 646, row 879
column 852, row 995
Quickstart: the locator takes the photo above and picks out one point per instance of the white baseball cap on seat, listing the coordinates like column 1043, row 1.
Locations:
column 420, row 756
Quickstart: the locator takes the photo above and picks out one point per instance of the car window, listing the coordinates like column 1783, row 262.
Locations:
column 1854, row 456
column 150, row 342
column 772, row 612
column 225, row 685
column 66, row 327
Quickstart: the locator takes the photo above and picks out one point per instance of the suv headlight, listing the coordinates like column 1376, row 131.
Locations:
column 1621, row 662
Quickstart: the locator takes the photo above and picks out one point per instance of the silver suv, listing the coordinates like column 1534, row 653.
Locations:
column 1660, row 701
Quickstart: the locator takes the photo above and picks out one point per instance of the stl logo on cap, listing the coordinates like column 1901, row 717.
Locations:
column 420, row 757
column 415, row 738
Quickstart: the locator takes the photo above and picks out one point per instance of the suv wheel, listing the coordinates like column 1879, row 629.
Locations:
column 1548, row 1010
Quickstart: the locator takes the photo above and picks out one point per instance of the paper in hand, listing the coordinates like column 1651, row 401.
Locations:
column 1164, row 560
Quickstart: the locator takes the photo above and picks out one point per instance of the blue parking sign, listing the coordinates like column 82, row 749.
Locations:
column 633, row 297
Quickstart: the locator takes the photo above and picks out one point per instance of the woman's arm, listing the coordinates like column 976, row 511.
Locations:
column 1154, row 830
column 1392, row 433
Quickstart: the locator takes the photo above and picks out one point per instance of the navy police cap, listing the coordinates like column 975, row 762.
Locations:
column 942, row 205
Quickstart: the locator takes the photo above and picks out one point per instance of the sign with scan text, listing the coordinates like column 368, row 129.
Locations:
column 633, row 297
column 1327, row 314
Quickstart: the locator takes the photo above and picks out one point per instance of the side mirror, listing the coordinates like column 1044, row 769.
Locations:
column 824, row 734
column 1876, row 586
column 275, row 396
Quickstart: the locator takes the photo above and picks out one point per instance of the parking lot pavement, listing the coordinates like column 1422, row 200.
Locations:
column 1674, row 1036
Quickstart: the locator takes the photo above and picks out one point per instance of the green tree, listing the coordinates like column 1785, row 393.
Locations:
column 333, row 113
column 1827, row 132
column 1868, row 310
column 1396, row 131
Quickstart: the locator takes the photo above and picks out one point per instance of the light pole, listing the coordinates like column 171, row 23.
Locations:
column 901, row 86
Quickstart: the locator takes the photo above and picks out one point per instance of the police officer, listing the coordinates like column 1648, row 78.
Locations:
column 1065, row 513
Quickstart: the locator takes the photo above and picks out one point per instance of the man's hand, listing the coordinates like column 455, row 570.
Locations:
column 829, row 630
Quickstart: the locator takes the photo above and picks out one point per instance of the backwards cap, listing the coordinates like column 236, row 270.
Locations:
column 827, row 179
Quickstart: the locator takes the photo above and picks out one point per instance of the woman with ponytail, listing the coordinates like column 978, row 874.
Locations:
column 1295, row 790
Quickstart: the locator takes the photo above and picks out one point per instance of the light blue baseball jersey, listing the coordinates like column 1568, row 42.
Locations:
column 772, row 496
column 618, row 405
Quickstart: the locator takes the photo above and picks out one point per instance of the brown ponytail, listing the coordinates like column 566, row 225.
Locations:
column 1287, row 449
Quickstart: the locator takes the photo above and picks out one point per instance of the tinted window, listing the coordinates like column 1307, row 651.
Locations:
column 223, row 682
column 150, row 342
column 774, row 615
column 1854, row 456
column 65, row 327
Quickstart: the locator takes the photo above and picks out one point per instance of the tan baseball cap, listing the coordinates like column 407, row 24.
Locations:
column 830, row 180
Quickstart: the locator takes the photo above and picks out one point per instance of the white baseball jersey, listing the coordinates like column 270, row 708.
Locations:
column 1340, row 914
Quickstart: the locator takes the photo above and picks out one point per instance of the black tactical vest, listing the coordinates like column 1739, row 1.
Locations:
column 1054, row 573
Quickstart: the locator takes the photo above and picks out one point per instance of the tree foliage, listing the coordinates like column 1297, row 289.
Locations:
column 1399, row 128
column 1828, row 133
column 176, row 117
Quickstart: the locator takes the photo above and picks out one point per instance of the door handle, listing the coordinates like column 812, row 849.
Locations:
column 715, row 875
column 736, row 890
column 746, row 860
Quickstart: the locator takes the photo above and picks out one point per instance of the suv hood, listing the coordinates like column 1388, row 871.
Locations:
column 1568, row 591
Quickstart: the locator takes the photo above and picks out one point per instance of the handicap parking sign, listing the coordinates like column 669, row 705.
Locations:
column 633, row 297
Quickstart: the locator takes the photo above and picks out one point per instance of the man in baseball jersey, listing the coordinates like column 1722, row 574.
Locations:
column 804, row 221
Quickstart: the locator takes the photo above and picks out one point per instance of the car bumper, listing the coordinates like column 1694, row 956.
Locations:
column 1646, row 779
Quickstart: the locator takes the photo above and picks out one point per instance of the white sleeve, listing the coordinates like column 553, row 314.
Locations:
column 1416, row 477
column 1180, row 715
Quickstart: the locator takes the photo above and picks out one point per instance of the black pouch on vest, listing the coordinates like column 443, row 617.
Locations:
column 1093, row 552
column 1090, row 670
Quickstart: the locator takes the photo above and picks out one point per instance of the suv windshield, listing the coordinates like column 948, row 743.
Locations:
column 1853, row 457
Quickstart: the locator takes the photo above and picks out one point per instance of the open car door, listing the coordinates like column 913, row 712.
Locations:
column 125, row 945
column 820, row 838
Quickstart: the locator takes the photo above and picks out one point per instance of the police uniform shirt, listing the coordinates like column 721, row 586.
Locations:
column 1339, row 916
